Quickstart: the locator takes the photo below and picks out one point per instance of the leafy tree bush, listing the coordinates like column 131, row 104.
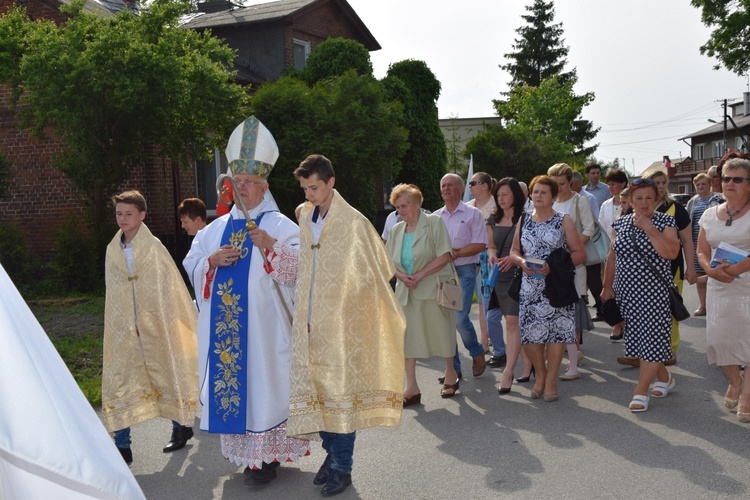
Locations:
column 75, row 257
column 345, row 118
column 730, row 36
column 112, row 87
column 425, row 161
column 14, row 252
column 334, row 57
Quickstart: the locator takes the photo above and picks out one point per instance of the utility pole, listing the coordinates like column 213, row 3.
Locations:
column 725, row 129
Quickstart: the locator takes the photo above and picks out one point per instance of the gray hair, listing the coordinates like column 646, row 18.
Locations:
column 577, row 176
column 736, row 163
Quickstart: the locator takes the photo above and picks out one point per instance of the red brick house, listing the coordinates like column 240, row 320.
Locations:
column 268, row 38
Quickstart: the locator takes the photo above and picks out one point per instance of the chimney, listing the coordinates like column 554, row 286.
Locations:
column 210, row 6
column 746, row 99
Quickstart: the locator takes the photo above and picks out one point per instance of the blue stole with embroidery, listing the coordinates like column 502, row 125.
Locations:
column 227, row 348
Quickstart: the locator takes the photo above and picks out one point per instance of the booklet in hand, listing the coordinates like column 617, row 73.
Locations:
column 728, row 253
column 535, row 265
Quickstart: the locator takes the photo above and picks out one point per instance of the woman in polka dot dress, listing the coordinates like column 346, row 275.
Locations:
column 642, row 296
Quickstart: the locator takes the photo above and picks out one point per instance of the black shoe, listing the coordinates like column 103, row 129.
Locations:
column 337, row 483
column 127, row 455
column 521, row 380
column 179, row 439
column 497, row 361
column 264, row 475
column 322, row 476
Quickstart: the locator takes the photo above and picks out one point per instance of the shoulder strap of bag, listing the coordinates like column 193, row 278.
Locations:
column 660, row 276
column 434, row 254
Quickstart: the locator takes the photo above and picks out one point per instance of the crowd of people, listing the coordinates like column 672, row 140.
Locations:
column 300, row 335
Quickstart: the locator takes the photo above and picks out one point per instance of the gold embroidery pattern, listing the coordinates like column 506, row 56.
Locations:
column 226, row 387
column 341, row 405
column 237, row 240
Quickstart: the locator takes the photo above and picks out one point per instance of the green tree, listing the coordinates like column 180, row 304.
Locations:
column 730, row 40
column 334, row 57
column 546, row 110
column 114, row 87
column 539, row 53
column 424, row 163
column 348, row 119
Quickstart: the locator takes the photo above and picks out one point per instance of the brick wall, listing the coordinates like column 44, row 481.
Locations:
column 37, row 9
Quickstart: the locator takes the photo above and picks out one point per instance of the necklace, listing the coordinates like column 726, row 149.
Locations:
column 731, row 216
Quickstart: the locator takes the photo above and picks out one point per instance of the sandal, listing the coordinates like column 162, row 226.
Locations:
column 661, row 389
column 449, row 390
column 639, row 403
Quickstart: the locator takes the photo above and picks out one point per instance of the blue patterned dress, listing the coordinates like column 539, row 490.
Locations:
column 540, row 322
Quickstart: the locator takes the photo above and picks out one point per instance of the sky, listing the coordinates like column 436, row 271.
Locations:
column 641, row 59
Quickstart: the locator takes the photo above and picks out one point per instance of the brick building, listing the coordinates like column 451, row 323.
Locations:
column 268, row 38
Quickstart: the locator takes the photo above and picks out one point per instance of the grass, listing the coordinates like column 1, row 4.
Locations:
column 75, row 325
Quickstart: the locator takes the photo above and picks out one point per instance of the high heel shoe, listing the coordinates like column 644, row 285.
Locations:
column 536, row 394
column 413, row 400
column 505, row 390
column 521, row 380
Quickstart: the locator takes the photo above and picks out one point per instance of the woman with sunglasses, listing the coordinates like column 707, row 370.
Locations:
column 490, row 322
column 727, row 340
column 641, row 295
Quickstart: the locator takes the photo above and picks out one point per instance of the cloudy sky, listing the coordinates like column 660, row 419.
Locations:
column 640, row 57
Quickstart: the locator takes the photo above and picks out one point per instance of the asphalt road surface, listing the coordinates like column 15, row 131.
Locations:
column 482, row 445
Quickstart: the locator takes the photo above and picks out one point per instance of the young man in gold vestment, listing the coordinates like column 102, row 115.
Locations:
column 347, row 366
column 150, row 366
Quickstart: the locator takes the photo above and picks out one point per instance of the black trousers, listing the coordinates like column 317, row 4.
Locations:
column 594, row 282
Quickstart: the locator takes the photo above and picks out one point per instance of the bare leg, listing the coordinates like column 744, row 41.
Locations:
column 412, row 389
column 535, row 352
column 701, row 286
column 733, row 375
column 555, row 354
column 648, row 371
column 451, row 377
column 512, row 350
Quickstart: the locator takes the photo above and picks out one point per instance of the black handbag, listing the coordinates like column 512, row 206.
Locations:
column 678, row 309
column 611, row 312
column 514, row 289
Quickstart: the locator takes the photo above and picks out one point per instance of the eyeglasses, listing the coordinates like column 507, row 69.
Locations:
column 474, row 183
column 736, row 180
column 638, row 182
column 248, row 183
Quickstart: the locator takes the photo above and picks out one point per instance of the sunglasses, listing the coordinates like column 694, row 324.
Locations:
column 736, row 180
column 474, row 183
column 638, row 182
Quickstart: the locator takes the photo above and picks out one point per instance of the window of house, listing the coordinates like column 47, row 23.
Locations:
column 718, row 149
column 207, row 171
column 301, row 51
column 700, row 153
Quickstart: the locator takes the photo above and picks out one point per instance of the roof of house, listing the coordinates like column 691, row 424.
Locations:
column 274, row 11
column 659, row 165
column 104, row 8
column 718, row 128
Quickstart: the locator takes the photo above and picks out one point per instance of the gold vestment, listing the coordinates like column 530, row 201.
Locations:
column 347, row 369
column 151, row 371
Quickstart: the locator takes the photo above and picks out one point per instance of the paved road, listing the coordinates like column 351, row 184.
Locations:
column 480, row 445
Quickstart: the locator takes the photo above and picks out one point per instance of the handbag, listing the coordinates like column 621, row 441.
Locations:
column 514, row 289
column 597, row 247
column 449, row 295
column 678, row 309
column 611, row 312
